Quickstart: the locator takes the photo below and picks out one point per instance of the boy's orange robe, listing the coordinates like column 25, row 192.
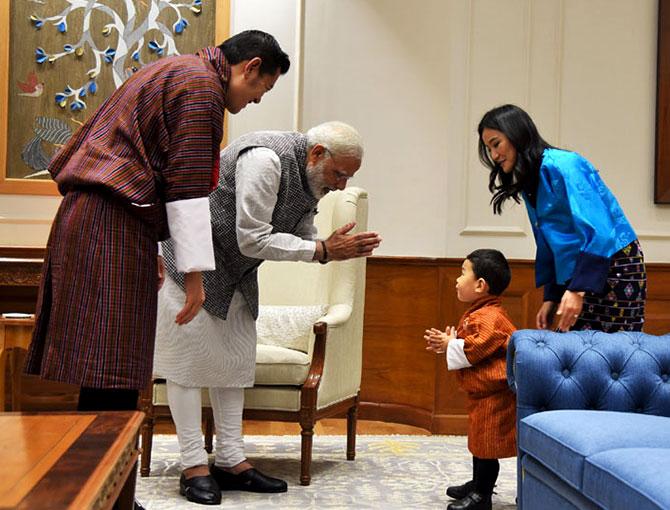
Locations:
column 486, row 329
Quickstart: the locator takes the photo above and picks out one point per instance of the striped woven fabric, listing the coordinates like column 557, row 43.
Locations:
column 96, row 313
column 486, row 329
column 621, row 306
column 156, row 139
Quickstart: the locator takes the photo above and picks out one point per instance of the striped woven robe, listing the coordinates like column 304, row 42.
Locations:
column 486, row 329
column 154, row 142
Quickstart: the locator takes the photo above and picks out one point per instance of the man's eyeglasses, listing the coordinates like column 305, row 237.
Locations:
column 339, row 174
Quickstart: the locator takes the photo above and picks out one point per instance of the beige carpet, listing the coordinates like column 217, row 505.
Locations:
column 390, row 472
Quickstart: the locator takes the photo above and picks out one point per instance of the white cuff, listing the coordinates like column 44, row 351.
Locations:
column 160, row 249
column 190, row 227
column 456, row 358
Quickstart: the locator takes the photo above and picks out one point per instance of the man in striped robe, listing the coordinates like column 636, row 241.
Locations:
column 137, row 172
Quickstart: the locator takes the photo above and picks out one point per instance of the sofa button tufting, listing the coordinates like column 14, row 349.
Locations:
column 540, row 344
column 615, row 375
column 665, row 377
column 565, row 372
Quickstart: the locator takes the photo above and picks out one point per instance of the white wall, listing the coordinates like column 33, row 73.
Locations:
column 278, row 108
column 25, row 220
column 415, row 78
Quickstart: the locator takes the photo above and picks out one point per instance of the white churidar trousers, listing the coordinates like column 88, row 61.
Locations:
column 227, row 406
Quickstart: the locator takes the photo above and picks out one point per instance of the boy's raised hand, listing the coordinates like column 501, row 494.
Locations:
column 437, row 341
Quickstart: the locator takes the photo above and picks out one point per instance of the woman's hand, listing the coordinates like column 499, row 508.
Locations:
column 569, row 309
column 195, row 297
column 545, row 315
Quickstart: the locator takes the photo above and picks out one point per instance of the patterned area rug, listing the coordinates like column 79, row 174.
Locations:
column 390, row 472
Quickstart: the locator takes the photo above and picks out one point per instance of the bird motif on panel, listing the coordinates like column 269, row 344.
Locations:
column 32, row 87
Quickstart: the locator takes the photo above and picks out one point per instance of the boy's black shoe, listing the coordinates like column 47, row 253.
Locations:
column 473, row 501
column 460, row 491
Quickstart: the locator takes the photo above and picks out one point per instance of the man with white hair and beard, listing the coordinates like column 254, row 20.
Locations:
column 263, row 209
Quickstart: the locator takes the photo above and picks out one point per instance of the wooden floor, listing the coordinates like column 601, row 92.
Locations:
column 326, row 427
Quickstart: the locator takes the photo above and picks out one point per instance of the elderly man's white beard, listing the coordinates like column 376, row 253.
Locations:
column 317, row 183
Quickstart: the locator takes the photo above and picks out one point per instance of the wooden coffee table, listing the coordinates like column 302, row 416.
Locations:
column 68, row 460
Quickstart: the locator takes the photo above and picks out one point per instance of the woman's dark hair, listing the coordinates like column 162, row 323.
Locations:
column 517, row 125
column 492, row 266
column 255, row 43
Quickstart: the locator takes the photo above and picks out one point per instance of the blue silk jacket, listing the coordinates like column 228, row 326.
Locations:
column 577, row 223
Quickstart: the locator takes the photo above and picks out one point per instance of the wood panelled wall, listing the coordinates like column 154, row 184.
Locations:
column 402, row 382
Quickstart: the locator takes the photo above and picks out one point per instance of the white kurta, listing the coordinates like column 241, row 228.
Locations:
column 209, row 351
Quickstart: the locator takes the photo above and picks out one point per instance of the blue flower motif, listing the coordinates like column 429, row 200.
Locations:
column 179, row 26
column 40, row 56
column 92, row 87
column 109, row 55
column 60, row 97
column 153, row 46
column 82, row 92
column 68, row 48
column 37, row 22
column 136, row 55
column 68, row 90
column 62, row 26
column 77, row 105
column 197, row 2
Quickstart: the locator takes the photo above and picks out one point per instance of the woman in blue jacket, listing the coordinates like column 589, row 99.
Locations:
column 588, row 257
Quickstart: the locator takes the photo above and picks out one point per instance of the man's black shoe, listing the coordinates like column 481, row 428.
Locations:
column 460, row 491
column 250, row 480
column 200, row 489
column 473, row 501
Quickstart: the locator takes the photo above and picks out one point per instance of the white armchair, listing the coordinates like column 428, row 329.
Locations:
column 309, row 354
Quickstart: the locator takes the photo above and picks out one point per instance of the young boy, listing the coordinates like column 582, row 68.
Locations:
column 477, row 349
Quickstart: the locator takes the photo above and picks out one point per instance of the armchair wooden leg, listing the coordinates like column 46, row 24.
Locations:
column 352, row 418
column 307, row 433
column 209, row 429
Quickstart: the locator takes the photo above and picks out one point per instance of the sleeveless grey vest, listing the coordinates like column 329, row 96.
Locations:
column 294, row 200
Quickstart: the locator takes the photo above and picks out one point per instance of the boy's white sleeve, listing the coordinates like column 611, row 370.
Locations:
column 456, row 358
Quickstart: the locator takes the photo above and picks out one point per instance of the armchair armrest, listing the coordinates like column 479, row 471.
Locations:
column 336, row 316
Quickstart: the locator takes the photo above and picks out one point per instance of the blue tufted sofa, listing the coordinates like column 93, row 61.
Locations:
column 593, row 419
